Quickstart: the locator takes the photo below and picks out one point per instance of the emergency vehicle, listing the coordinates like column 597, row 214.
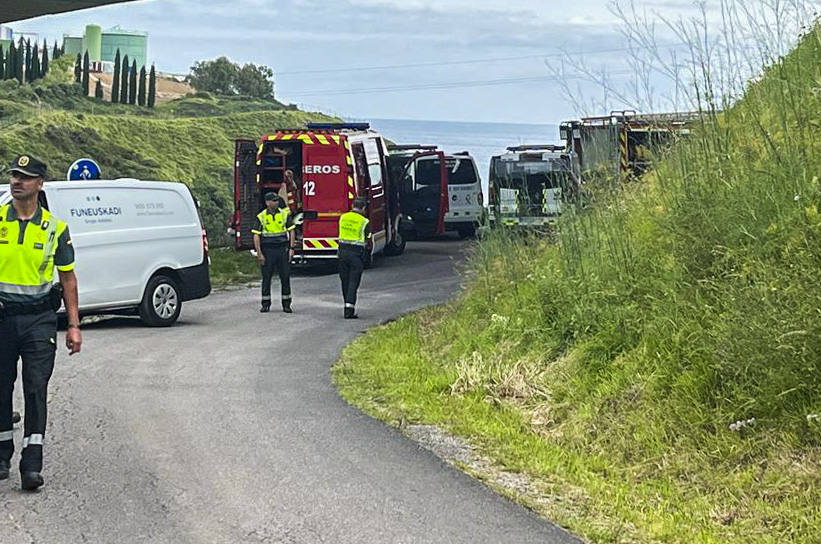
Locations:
column 331, row 164
column 624, row 142
column 529, row 184
column 466, row 209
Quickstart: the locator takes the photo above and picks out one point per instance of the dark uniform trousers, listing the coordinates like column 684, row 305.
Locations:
column 34, row 338
column 277, row 259
column 351, row 265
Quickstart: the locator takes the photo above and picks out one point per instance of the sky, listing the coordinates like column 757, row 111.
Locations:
column 459, row 60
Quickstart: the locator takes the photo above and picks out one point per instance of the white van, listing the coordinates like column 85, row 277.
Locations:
column 465, row 199
column 139, row 245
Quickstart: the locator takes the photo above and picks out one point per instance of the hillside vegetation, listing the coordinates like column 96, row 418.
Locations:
column 188, row 140
column 655, row 372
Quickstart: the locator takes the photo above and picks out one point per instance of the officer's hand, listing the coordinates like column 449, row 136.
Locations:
column 261, row 258
column 291, row 254
column 74, row 340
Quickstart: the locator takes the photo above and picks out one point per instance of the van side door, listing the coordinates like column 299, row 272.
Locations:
column 424, row 192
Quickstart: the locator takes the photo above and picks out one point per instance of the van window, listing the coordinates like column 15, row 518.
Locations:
column 428, row 172
column 461, row 172
column 3, row 191
column 90, row 209
column 361, row 167
column 374, row 162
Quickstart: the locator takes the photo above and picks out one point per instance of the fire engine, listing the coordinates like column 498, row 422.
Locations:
column 624, row 142
column 319, row 170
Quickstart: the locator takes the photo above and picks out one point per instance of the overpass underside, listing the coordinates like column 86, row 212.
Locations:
column 17, row 10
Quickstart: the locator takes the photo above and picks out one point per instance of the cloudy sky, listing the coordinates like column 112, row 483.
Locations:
column 464, row 60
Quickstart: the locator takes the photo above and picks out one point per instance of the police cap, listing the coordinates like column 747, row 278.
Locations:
column 360, row 202
column 29, row 165
column 270, row 196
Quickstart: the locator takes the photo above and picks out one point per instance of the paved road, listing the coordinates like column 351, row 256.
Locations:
column 227, row 429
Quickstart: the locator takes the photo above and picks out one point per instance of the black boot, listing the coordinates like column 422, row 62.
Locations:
column 5, row 468
column 30, row 481
column 266, row 307
column 15, row 417
column 286, row 306
column 350, row 313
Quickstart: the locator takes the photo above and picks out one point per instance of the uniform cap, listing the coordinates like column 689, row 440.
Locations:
column 29, row 165
column 360, row 202
column 270, row 196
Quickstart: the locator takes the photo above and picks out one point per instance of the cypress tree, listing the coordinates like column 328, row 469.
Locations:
column 141, row 86
column 78, row 69
column 28, row 76
column 20, row 63
column 132, row 84
column 152, row 87
column 86, row 76
column 115, row 83
column 35, row 63
column 44, row 65
column 124, row 81
column 98, row 90
column 11, row 70
column 2, row 64
column 56, row 53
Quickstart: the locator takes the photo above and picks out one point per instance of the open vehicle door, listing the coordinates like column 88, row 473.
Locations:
column 424, row 192
column 246, row 193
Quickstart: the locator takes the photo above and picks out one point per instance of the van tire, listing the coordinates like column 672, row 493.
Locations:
column 395, row 247
column 162, row 302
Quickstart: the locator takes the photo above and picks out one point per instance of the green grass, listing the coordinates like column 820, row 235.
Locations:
column 233, row 267
column 190, row 139
column 611, row 364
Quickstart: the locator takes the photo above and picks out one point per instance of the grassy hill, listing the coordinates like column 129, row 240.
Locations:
column 189, row 140
column 655, row 374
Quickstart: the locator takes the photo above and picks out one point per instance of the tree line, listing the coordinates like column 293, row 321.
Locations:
column 26, row 62
column 127, row 86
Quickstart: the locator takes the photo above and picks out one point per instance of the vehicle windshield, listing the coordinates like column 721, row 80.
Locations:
column 460, row 171
column 3, row 190
column 520, row 174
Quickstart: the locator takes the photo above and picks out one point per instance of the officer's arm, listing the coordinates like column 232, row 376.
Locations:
column 70, row 298
column 256, row 230
column 291, row 228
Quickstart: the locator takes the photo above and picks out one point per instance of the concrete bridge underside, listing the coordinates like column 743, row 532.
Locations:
column 18, row 10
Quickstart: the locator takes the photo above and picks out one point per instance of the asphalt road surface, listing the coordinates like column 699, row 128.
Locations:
column 226, row 428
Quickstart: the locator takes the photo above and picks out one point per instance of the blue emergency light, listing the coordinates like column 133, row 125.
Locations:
column 339, row 126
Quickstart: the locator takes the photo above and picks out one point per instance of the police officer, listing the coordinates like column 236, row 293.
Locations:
column 32, row 243
column 274, row 240
column 354, row 241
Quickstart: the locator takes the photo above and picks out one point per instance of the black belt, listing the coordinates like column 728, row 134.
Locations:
column 10, row 309
column 50, row 303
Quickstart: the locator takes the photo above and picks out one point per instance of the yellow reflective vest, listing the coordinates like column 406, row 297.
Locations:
column 27, row 263
column 352, row 229
column 274, row 226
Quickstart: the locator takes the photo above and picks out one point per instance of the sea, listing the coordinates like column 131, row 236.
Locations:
column 482, row 140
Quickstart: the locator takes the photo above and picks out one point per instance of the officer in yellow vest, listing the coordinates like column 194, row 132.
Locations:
column 32, row 243
column 354, row 243
column 274, row 242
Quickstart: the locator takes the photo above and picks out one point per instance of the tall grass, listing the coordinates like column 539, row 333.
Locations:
column 663, row 351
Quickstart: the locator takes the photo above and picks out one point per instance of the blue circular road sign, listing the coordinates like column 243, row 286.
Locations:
column 83, row 169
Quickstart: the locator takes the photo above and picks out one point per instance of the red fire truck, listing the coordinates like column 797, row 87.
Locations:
column 319, row 170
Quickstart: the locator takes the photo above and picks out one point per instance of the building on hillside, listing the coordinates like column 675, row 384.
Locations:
column 102, row 46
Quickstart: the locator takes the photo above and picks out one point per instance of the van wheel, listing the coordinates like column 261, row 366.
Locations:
column 396, row 247
column 162, row 303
